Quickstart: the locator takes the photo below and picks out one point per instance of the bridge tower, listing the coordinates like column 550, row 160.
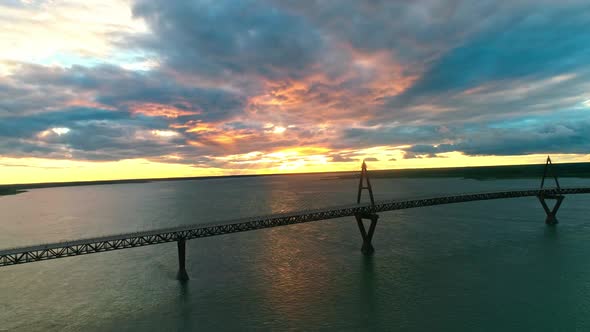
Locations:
column 554, row 194
column 367, row 248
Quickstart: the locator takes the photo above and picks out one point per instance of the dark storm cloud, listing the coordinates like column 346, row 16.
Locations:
column 38, row 98
column 414, row 32
column 397, row 135
column 93, row 134
column 19, row 99
column 119, row 88
column 28, row 125
column 535, row 44
column 547, row 135
column 225, row 37
column 562, row 132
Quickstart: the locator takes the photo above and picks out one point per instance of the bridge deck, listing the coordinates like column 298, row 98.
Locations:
column 138, row 239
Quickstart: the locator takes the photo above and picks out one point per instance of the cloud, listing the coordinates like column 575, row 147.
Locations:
column 117, row 88
column 395, row 135
column 230, row 38
column 541, row 43
column 63, row 32
column 518, row 137
column 110, row 112
column 26, row 126
column 268, row 83
column 84, row 134
column 342, row 158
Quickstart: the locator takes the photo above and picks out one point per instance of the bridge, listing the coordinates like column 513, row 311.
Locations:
column 361, row 212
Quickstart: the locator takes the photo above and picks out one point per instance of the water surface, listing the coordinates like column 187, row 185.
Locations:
column 486, row 266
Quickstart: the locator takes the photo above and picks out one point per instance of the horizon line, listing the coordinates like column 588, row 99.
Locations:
column 33, row 185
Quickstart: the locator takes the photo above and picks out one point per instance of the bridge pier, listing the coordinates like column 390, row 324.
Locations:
column 182, row 275
column 551, row 213
column 367, row 249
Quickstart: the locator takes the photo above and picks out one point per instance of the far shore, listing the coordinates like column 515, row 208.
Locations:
column 10, row 191
column 571, row 170
column 566, row 170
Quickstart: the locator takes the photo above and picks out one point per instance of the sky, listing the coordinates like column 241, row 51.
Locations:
column 115, row 89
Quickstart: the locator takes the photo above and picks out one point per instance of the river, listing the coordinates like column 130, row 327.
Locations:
column 479, row 266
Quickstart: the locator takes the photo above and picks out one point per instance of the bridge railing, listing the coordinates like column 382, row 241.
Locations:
column 462, row 193
column 187, row 227
column 182, row 233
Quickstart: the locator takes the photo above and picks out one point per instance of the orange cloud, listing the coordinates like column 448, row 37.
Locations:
column 86, row 99
column 216, row 136
column 341, row 98
column 388, row 78
column 168, row 111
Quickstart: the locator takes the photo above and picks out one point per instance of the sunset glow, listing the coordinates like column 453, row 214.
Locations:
column 121, row 89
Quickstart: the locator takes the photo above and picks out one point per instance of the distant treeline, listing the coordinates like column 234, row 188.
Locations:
column 10, row 191
column 576, row 170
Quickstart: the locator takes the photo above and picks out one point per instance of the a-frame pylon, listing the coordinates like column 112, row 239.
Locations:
column 549, row 168
column 365, row 178
column 367, row 248
column 555, row 193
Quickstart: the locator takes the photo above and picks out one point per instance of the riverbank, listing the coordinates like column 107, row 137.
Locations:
column 10, row 191
column 571, row 170
column 576, row 170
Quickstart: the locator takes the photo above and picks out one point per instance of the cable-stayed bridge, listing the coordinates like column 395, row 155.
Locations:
column 359, row 210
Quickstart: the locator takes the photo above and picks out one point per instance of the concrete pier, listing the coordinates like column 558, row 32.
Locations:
column 367, row 249
column 551, row 213
column 182, row 275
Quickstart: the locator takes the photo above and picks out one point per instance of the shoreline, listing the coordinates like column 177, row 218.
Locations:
column 566, row 170
column 569, row 170
column 11, row 191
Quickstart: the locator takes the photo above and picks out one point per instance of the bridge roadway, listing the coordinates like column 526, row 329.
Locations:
column 180, row 234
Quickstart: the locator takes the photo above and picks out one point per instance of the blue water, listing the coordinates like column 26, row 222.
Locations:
column 480, row 266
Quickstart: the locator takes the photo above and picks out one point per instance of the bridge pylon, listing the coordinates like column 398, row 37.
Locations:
column 367, row 235
column 555, row 195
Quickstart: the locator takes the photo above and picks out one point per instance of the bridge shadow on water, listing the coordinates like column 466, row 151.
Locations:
column 186, row 321
column 368, row 301
column 551, row 233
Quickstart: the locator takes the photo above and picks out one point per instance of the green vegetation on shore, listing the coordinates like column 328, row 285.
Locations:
column 10, row 191
column 572, row 170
